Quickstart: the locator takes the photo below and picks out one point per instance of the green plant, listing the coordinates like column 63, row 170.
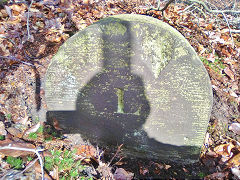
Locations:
column 9, row 117
column 68, row 167
column 40, row 129
column 201, row 175
column 51, row 133
column 2, row 2
column 16, row 163
column 217, row 65
column 2, row 137
column 29, row 158
column 49, row 138
column 32, row 135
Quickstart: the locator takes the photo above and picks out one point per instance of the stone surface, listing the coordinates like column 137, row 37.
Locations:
column 135, row 80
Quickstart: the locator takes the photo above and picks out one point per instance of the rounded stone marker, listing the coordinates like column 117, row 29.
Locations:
column 132, row 80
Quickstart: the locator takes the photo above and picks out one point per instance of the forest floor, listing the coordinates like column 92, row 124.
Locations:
column 31, row 34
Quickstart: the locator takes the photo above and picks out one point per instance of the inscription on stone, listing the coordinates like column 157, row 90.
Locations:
column 132, row 80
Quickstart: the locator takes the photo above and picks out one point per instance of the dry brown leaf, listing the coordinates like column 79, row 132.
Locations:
column 15, row 132
column 121, row 174
column 23, row 120
column 224, row 149
column 235, row 127
column 39, row 172
column 54, row 173
column 85, row 1
column 17, row 153
column 2, row 129
column 56, row 124
column 234, row 161
column 233, row 94
column 236, row 172
column 225, row 52
column 87, row 151
column 8, row 11
column 217, row 175
column 211, row 57
column 211, row 153
column 209, row 26
column 33, row 129
column 144, row 171
column 229, row 72
column 225, row 37
column 200, row 47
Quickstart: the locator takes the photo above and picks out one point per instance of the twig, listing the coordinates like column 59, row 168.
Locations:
column 230, row 31
column 213, row 11
column 201, row 11
column 179, row 12
column 164, row 8
column 234, row 31
column 99, row 154
column 16, row 59
column 36, row 151
column 29, row 166
column 118, row 150
column 28, row 15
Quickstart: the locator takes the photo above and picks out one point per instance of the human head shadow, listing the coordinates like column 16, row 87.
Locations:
column 112, row 107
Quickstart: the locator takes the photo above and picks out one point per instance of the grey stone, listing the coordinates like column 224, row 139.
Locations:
column 132, row 80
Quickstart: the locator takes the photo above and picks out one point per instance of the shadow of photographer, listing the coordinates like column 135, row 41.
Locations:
column 112, row 107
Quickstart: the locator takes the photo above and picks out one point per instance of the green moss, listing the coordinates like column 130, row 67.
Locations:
column 2, row 137
column 216, row 66
column 16, row 163
column 68, row 167
column 32, row 135
column 114, row 28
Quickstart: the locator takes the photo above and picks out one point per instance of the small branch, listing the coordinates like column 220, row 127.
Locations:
column 118, row 150
column 164, row 8
column 36, row 151
column 29, row 166
column 28, row 15
column 234, row 31
column 179, row 12
column 213, row 11
column 16, row 59
column 230, row 31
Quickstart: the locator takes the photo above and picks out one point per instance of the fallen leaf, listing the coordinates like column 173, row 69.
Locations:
column 234, row 161
column 23, row 120
column 144, row 171
column 211, row 153
column 200, row 47
column 225, row 37
column 209, row 26
column 121, row 174
column 2, row 129
column 85, row 1
column 217, row 175
column 8, row 10
column 224, row 149
column 229, row 72
column 236, row 172
column 233, row 94
column 33, row 129
column 15, row 132
column 87, row 151
column 56, row 124
column 39, row 172
column 235, row 127
column 17, row 153
column 211, row 57
column 167, row 167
